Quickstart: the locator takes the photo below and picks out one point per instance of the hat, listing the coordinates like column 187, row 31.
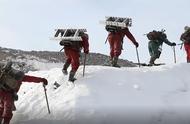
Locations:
column 186, row 28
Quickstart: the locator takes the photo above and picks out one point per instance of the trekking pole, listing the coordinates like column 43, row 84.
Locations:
column 46, row 98
column 61, row 49
column 84, row 64
column 174, row 54
column 106, row 40
column 138, row 57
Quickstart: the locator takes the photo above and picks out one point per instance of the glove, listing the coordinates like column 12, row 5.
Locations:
column 136, row 44
column 15, row 96
column 19, row 75
column 86, row 51
column 173, row 44
column 45, row 82
column 61, row 43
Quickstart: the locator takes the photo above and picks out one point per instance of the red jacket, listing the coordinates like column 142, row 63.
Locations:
column 118, row 36
column 85, row 43
column 28, row 78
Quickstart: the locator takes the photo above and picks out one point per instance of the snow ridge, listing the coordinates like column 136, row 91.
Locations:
column 107, row 95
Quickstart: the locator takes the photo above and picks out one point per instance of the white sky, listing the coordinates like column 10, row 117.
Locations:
column 28, row 24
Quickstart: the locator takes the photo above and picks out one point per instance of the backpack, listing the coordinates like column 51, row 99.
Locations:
column 156, row 35
column 186, row 36
column 112, row 29
column 9, row 78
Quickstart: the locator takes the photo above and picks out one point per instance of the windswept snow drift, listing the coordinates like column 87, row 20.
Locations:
column 106, row 95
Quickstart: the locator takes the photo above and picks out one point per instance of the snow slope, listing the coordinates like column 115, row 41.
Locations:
column 107, row 95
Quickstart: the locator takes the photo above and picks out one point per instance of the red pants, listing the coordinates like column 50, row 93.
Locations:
column 115, row 48
column 187, row 49
column 73, row 58
column 6, row 106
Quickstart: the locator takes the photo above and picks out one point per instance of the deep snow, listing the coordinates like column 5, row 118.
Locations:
column 107, row 95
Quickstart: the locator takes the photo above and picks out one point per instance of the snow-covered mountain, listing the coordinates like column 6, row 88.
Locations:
column 107, row 95
column 30, row 60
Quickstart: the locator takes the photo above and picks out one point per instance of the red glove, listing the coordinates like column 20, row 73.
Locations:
column 136, row 44
column 45, row 82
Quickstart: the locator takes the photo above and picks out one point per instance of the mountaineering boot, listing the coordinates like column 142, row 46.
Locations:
column 71, row 76
column 151, row 62
column 110, row 60
column 64, row 70
column 114, row 62
column 188, row 61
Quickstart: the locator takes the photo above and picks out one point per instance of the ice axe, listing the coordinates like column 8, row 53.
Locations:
column 46, row 98
column 174, row 54
column 138, row 57
column 106, row 40
column 61, row 49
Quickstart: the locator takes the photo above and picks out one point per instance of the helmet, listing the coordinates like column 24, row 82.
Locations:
column 186, row 28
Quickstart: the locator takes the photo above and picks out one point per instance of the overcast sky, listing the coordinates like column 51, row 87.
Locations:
column 29, row 24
